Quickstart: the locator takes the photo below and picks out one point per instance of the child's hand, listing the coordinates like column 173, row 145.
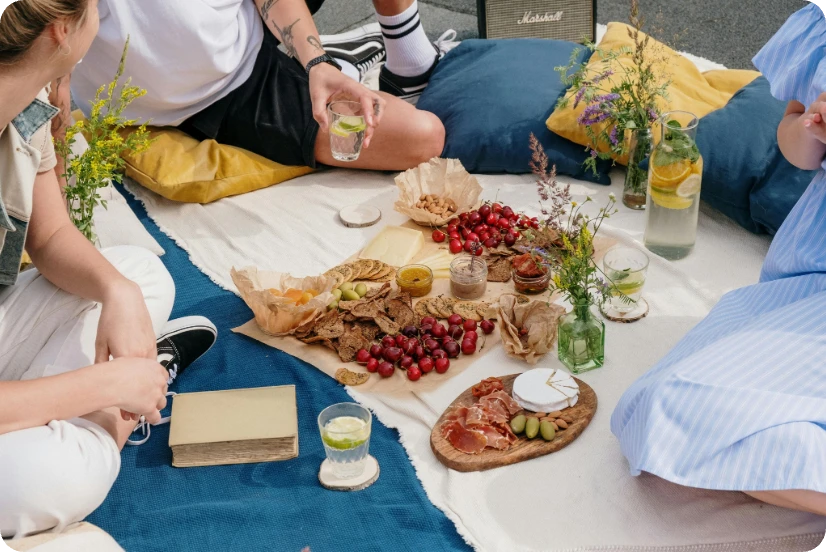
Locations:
column 814, row 120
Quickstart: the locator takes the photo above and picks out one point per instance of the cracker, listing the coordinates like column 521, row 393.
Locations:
column 378, row 266
column 347, row 377
column 522, row 299
column 421, row 310
column 361, row 268
column 448, row 303
column 483, row 310
column 386, row 275
column 435, row 306
column 345, row 270
column 467, row 310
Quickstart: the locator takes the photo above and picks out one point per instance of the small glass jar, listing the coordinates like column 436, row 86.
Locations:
column 415, row 279
column 531, row 285
column 468, row 277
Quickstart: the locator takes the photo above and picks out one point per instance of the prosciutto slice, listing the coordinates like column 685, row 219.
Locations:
column 511, row 405
column 486, row 423
column 469, row 441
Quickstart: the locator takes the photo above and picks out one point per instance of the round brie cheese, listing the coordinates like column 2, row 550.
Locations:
column 545, row 390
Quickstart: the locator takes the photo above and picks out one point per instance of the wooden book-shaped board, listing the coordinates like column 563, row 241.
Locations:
column 524, row 449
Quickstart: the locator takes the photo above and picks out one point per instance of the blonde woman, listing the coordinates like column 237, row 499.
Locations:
column 80, row 360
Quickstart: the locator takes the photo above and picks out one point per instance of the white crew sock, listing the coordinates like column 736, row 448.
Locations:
column 349, row 69
column 409, row 52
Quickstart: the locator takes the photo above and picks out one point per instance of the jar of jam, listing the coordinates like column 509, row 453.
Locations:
column 415, row 279
column 468, row 277
column 530, row 275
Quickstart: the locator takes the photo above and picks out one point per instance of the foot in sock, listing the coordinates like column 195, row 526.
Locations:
column 362, row 47
column 183, row 341
column 410, row 87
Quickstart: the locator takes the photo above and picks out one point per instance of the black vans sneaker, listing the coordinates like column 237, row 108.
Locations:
column 183, row 341
column 362, row 47
column 410, row 88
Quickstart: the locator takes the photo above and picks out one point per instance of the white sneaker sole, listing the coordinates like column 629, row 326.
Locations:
column 186, row 323
column 371, row 29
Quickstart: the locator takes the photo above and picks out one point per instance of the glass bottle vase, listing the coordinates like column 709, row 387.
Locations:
column 636, row 178
column 581, row 340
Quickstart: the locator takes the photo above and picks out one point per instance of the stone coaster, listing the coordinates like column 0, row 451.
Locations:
column 367, row 478
column 359, row 216
column 639, row 312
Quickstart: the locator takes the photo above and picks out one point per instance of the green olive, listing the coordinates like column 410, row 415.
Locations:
column 346, row 286
column 547, row 430
column 361, row 289
column 333, row 305
column 518, row 424
column 532, row 428
column 337, row 294
column 350, row 295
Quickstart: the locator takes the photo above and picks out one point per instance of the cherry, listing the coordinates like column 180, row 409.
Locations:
column 376, row 351
column 473, row 237
column 410, row 347
column 468, row 346
column 438, row 236
column 439, row 353
column 372, row 365
column 464, row 231
column 388, row 341
column 386, row 369
column 479, row 228
column 455, row 331
column 477, row 249
column 507, row 211
column 454, row 235
column 410, row 331
column 484, row 210
column 468, row 246
column 426, row 329
column 431, row 345
column 455, row 246
column 455, row 319
column 496, row 208
column 487, row 326
column 406, row 362
column 439, row 331
column 469, row 325
column 483, row 237
column 472, row 335
column 474, row 218
column 392, row 354
column 535, row 224
column 413, row 373
column 363, row 356
column 426, row 365
column 504, row 223
column 452, row 349
column 419, row 353
column 490, row 243
column 401, row 339
column 509, row 240
column 442, row 365
column 492, row 219
column 427, row 320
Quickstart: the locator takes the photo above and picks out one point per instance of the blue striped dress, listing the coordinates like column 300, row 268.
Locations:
column 740, row 402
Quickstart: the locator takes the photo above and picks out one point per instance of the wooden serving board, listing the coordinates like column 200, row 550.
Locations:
column 524, row 449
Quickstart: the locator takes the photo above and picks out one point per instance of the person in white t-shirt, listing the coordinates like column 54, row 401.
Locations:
column 214, row 69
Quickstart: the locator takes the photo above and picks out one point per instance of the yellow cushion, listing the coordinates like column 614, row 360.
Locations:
column 180, row 168
column 691, row 90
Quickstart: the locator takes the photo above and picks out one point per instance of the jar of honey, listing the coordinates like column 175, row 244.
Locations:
column 415, row 279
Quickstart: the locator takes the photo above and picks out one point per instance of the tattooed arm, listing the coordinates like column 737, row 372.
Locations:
column 290, row 21
column 61, row 97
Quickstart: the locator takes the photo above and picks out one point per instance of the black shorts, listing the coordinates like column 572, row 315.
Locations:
column 271, row 114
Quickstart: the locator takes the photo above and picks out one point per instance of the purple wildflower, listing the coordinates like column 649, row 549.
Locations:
column 579, row 95
column 603, row 76
column 592, row 115
column 593, row 153
column 607, row 98
column 613, row 137
column 652, row 114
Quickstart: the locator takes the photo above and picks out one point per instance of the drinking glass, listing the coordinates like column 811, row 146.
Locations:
column 347, row 126
column 625, row 268
column 345, row 432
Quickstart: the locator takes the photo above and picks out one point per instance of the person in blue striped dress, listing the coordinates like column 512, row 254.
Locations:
column 740, row 402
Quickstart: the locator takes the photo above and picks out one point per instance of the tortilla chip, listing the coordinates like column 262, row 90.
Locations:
column 386, row 325
column 376, row 293
column 330, row 325
column 400, row 312
column 369, row 329
column 350, row 342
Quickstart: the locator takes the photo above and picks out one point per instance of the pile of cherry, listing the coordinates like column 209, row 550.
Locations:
column 487, row 227
column 421, row 349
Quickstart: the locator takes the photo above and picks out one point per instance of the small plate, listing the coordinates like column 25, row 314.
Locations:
column 367, row 477
column 359, row 216
column 639, row 312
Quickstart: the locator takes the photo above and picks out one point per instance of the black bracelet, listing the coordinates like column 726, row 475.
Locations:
column 324, row 58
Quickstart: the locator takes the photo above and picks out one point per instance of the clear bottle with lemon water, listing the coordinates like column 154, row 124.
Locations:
column 675, row 176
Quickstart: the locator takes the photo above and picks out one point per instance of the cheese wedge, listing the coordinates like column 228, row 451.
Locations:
column 394, row 245
column 545, row 390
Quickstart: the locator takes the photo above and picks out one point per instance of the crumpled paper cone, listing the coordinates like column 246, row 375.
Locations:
column 280, row 316
column 446, row 178
column 540, row 319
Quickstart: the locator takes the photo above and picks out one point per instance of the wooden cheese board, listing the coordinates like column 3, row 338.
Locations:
column 524, row 449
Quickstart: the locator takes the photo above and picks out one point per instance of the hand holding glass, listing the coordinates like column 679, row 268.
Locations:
column 347, row 127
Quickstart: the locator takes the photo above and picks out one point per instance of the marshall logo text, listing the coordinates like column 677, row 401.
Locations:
column 530, row 17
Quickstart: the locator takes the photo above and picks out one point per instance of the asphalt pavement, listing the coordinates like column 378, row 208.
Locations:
column 726, row 31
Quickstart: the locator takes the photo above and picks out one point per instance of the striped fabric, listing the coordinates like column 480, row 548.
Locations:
column 740, row 402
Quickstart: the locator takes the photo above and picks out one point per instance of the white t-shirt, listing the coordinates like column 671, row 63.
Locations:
column 187, row 54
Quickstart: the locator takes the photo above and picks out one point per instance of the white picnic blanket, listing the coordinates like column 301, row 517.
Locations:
column 581, row 498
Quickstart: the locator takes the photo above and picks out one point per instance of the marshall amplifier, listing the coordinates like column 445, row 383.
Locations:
column 574, row 20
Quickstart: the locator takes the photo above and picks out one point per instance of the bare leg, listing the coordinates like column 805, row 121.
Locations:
column 391, row 7
column 806, row 501
column 406, row 137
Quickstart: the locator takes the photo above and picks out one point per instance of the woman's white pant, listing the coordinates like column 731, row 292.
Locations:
column 54, row 475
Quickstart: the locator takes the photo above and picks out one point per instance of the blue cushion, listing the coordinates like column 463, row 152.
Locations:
column 745, row 175
column 491, row 94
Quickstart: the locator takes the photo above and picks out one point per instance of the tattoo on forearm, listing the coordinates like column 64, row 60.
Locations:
column 288, row 40
column 315, row 42
column 265, row 8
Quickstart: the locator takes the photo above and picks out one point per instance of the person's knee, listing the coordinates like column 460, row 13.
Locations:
column 148, row 271
column 428, row 138
column 57, row 475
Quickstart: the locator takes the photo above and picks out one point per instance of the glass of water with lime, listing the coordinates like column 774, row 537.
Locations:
column 625, row 270
column 345, row 432
column 347, row 126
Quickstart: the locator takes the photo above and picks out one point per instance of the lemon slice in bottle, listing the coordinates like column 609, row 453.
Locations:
column 669, row 200
column 668, row 177
column 690, row 186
